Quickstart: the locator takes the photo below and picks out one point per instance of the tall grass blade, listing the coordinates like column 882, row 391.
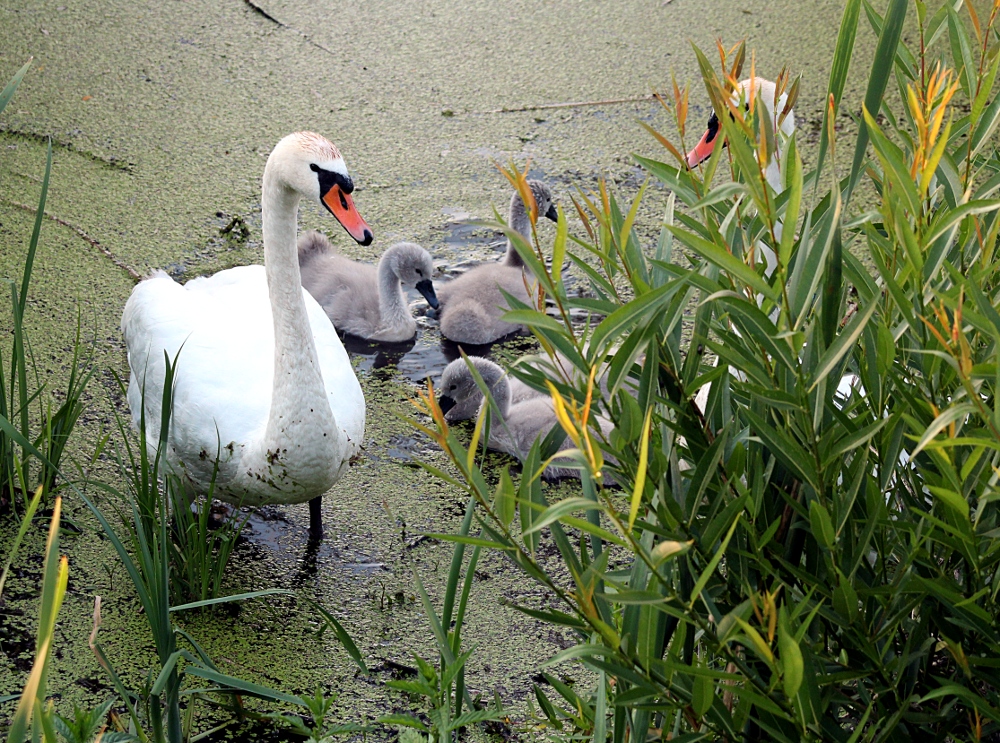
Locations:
column 839, row 67
column 8, row 91
column 29, row 260
column 22, row 530
column 882, row 65
column 54, row 581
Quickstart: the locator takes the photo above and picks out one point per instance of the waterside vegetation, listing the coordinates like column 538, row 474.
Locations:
column 813, row 552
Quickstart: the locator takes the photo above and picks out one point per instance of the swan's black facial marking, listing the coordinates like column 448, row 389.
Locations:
column 328, row 179
column 713, row 128
column 713, row 124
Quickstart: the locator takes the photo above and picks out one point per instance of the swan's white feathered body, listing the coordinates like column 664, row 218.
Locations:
column 222, row 329
column 262, row 380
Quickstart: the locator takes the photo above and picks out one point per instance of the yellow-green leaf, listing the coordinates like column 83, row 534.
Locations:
column 792, row 666
column 640, row 476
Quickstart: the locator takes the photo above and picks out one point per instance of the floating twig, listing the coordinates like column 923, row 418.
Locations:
column 136, row 276
column 573, row 104
column 112, row 163
column 260, row 11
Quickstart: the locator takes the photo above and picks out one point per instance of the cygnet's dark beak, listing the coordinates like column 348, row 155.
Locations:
column 446, row 403
column 426, row 288
column 552, row 213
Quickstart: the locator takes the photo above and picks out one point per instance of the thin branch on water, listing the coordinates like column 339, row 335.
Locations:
column 573, row 104
column 260, row 11
column 136, row 276
column 44, row 139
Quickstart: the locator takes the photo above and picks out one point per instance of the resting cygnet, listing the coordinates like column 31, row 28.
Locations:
column 473, row 304
column 469, row 399
column 526, row 416
column 362, row 299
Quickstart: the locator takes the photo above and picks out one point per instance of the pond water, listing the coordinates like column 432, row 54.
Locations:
column 161, row 116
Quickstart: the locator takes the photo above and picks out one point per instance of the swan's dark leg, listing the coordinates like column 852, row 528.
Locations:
column 316, row 518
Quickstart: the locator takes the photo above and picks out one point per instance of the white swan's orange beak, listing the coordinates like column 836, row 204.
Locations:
column 703, row 150
column 341, row 205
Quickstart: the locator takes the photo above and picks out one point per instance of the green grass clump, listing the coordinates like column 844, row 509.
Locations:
column 33, row 436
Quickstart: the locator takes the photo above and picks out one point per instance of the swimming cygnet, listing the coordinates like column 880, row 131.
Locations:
column 473, row 303
column 527, row 414
column 362, row 299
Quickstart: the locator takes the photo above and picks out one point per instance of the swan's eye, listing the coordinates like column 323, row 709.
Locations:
column 453, row 387
column 419, row 272
column 314, row 167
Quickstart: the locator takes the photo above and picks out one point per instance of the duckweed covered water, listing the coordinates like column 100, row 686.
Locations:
column 161, row 117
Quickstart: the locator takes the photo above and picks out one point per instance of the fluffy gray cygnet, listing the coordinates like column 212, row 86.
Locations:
column 473, row 303
column 362, row 299
column 527, row 414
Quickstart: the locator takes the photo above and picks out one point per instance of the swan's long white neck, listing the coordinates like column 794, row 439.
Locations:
column 301, row 435
column 764, row 92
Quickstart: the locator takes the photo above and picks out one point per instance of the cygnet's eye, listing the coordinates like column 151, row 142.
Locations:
column 453, row 387
column 314, row 167
column 419, row 272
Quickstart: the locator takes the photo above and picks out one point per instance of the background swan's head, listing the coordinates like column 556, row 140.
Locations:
column 460, row 395
column 763, row 91
column 414, row 267
column 312, row 165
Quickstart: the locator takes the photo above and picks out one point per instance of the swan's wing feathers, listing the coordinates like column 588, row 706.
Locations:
column 155, row 320
column 347, row 291
column 313, row 244
column 219, row 331
column 528, row 420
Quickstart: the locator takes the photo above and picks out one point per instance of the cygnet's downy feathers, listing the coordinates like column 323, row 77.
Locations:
column 464, row 396
column 473, row 303
column 362, row 299
column 524, row 421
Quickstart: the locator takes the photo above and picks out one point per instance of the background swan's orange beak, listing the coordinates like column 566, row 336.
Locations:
column 703, row 150
column 341, row 205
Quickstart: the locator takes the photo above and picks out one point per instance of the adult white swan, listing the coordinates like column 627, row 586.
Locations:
column 765, row 92
column 263, row 383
